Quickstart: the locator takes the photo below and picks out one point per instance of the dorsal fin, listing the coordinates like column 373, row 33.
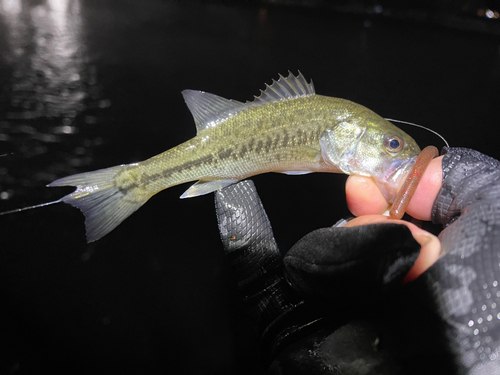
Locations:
column 209, row 110
column 290, row 87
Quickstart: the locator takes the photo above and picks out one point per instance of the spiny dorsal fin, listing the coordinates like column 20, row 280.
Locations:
column 209, row 110
column 290, row 87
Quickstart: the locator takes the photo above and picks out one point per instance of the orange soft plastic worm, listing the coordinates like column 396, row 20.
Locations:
column 410, row 185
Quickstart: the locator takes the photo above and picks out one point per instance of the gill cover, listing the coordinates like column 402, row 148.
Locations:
column 339, row 146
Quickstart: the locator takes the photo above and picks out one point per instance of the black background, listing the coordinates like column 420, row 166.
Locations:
column 86, row 84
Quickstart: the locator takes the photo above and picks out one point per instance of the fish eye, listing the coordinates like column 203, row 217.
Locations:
column 393, row 144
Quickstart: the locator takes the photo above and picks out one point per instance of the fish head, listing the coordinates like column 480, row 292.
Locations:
column 372, row 148
column 399, row 154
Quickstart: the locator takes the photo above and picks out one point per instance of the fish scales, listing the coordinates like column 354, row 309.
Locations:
column 261, row 134
column 288, row 129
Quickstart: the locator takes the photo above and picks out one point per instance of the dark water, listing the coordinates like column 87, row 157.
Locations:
column 87, row 84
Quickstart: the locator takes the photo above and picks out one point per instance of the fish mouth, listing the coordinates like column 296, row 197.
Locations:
column 394, row 177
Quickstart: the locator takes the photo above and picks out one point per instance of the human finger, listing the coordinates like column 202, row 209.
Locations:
column 430, row 245
column 365, row 198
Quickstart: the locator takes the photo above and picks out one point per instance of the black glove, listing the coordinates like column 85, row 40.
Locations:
column 346, row 312
column 328, row 288
column 465, row 282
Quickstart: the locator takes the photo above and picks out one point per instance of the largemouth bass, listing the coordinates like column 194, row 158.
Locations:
column 287, row 129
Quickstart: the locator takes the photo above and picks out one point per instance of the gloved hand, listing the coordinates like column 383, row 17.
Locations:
column 343, row 309
column 320, row 316
column 464, row 282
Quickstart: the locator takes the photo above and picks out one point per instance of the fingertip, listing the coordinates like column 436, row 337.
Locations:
column 430, row 246
column 429, row 254
column 364, row 197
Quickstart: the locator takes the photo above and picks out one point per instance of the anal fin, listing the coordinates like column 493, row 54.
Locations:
column 205, row 187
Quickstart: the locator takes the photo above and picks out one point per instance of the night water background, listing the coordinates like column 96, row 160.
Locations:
column 87, row 84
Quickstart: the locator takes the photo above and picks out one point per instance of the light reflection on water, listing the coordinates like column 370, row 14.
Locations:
column 47, row 56
column 49, row 94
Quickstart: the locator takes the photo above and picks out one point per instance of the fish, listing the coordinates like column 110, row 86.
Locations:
column 287, row 129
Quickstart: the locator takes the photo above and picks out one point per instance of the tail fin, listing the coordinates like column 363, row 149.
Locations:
column 104, row 205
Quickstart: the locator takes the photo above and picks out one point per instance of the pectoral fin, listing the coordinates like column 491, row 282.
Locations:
column 205, row 187
column 296, row 173
column 311, row 154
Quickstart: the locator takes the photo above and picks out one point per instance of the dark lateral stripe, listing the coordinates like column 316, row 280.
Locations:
column 183, row 167
column 145, row 179
column 225, row 154
column 253, row 145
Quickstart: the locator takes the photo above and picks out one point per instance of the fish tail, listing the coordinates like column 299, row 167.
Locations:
column 104, row 202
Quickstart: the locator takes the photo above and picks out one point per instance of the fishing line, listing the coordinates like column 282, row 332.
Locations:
column 30, row 207
column 420, row 126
